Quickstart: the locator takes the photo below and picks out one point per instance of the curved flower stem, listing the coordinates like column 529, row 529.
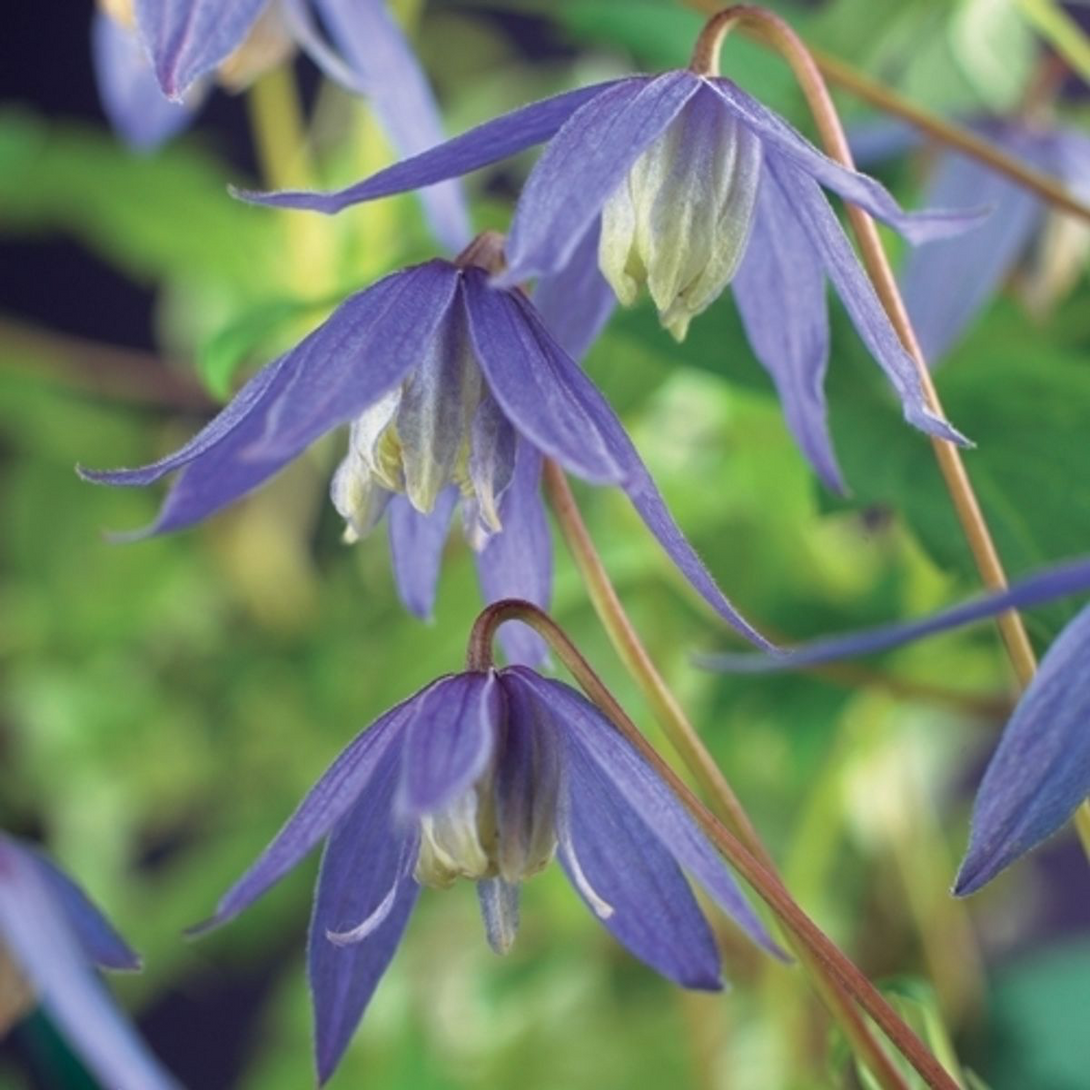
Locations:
column 818, row 947
column 779, row 35
column 687, row 743
column 878, row 95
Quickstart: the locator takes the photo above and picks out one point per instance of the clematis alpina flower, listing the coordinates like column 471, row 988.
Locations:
column 677, row 173
column 455, row 390
column 51, row 937
column 1040, row 772
column 484, row 775
column 178, row 46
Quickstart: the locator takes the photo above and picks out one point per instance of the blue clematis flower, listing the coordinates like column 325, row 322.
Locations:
column 484, row 776
column 146, row 49
column 455, row 391
column 947, row 284
column 51, row 936
column 676, row 174
column 1040, row 772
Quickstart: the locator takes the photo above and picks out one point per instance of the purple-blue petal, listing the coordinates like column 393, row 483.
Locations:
column 356, row 770
column 780, row 292
column 584, row 163
column 586, row 728
column 494, row 140
column 187, row 38
column 1040, row 773
column 946, row 283
column 100, row 942
column 605, row 845
column 531, row 377
column 814, row 220
column 518, row 561
column 575, row 302
column 416, row 549
column 360, row 352
column 782, row 141
column 366, row 872
column 553, row 404
column 390, row 75
column 449, row 741
column 1044, row 586
column 251, row 401
column 128, row 90
column 35, row 929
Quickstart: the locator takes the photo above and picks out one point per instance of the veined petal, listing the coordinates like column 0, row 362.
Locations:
column 387, row 71
column 586, row 729
column 946, row 283
column 554, row 405
column 494, row 140
column 187, row 38
column 356, row 770
column 416, row 549
column 34, row 927
column 1040, row 773
column 101, row 944
column 871, row 196
column 815, row 219
column 363, row 350
column 585, row 162
column 500, row 912
column 780, row 292
column 576, row 301
column 541, row 390
column 252, row 400
column 366, row 875
column 449, row 742
column 1044, row 586
column 129, row 91
column 606, row 846
column 518, row 561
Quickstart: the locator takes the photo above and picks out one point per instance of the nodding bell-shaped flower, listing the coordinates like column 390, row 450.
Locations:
column 688, row 182
column 1039, row 774
column 51, row 938
column 485, row 775
column 455, row 391
column 155, row 61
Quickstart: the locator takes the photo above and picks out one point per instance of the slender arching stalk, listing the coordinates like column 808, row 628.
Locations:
column 818, row 947
column 861, row 85
column 779, row 36
column 689, row 746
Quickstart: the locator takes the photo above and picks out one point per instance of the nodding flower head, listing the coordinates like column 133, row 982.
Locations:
column 455, row 391
column 51, row 939
column 485, row 775
column 690, row 183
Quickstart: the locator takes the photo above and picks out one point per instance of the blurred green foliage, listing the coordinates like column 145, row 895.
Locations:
column 166, row 704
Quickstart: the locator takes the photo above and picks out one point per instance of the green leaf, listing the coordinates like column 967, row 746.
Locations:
column 154, row 217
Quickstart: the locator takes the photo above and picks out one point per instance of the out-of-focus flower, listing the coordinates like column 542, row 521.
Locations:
column 145, row 49
column 51, row 937
column 1040, row 771
column 674, row 173
column 948, row 283
column 483, row 776
column 455, row 390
